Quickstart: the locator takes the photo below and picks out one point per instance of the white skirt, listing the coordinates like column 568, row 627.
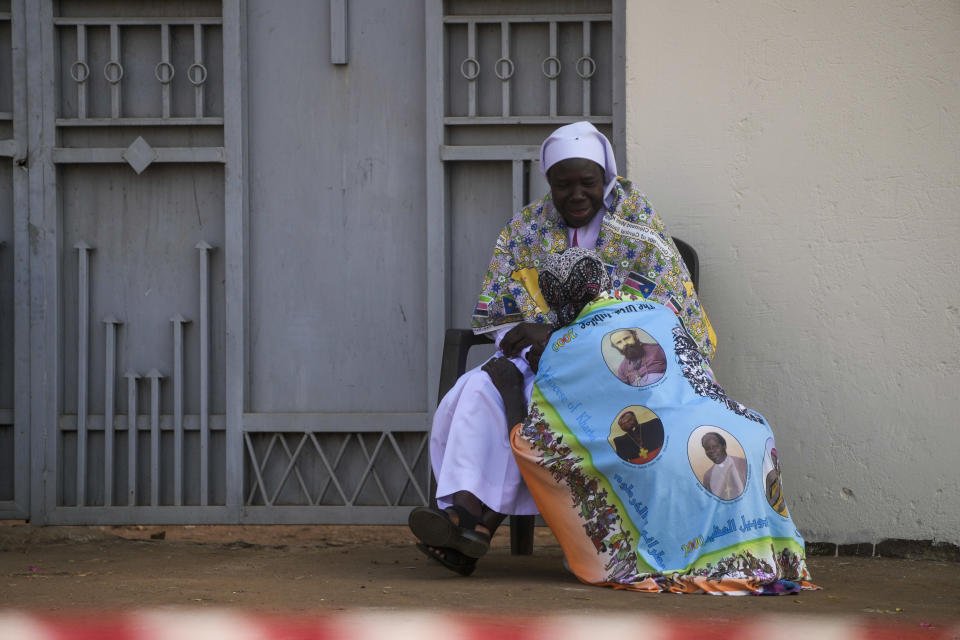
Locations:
column 470, row 444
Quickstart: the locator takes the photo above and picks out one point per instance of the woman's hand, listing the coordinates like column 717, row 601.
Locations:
column 508, row 380
column 533, row 356
column 525, row 334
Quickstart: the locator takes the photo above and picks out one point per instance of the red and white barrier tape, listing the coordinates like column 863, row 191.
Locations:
column 186, row 624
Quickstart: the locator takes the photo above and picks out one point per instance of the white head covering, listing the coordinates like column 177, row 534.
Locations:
column 581, row 140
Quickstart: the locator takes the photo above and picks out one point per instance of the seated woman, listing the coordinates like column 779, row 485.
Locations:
column 589, row 205
column 687, row 509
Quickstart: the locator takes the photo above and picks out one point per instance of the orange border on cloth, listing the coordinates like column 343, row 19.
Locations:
column 587, row 566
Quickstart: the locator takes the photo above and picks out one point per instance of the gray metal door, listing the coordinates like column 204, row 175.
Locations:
column 224, row 306
column 224, row 279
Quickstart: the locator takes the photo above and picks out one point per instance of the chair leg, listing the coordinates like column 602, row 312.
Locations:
column 521, row 535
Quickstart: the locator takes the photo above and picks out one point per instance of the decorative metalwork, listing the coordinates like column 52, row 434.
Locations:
column 167, row 77
column 109, row 384
column 177, row 320
column 155, row 376
column 85, row 423
column 79, row 71
column 115, row 77
column 132, row 377
column 205, row 250
column 346, row 491
column 197, row 79
column 508, row 73
column 475, row 65
column 582, row 66
column 139, row 155
column 83, row 352
column 551, row 67
column 114, row 71
column 554, row 61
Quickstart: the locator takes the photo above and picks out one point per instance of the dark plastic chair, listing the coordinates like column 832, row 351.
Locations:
column 456, row 347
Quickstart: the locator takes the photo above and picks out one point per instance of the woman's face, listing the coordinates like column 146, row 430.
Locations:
column 576, row 188
column 715, row 450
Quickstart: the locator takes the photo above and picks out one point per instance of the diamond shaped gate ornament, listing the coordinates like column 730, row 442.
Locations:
column 139, row 155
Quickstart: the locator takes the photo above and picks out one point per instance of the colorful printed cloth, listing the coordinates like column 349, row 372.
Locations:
column 633, row 244
column 693, row 504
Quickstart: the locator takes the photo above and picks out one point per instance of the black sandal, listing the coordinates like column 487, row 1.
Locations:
column 451, row 559
column 434, row 528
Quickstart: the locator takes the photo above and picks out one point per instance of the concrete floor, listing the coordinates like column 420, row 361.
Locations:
column 320, row 569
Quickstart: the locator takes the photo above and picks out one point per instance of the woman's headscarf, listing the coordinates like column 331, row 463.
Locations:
column 581, row 140
column 569, row 280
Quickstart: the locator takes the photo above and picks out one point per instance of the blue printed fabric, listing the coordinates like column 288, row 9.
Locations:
column 651, row 477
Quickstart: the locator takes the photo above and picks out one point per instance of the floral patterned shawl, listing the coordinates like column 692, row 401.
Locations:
column 633, row 244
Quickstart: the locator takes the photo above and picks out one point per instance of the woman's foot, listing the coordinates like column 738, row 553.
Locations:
column 443, row 529
column 454, row 514
column 450, row 558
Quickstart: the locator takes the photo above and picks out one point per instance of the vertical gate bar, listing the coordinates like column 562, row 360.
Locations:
column 178, row 322
column 109, row 386
column 131, row 377
column 338, row 31
column 44, row 266
column 235, row 235
column 165, row 57
column 438, row 259
column 518, row 199
column 21, row 270
column 472, row 53
column 553, row 81
column 204, row 369
column 83, row 346
column 154, row 376
column 619, row 81
column 82, row 57
column 198, row 59
column 505, row 52
column 586, row 81
column 115, row 56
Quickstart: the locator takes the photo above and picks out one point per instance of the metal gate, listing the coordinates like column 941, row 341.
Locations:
column 508, row 73
column 223, row 278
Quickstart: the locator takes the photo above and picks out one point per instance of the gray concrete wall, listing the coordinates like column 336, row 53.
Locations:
column 811, row 151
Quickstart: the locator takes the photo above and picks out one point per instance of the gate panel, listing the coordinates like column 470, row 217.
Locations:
column 128, row 192
column 337, row 296
column 337, row 398
column 141, row 295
